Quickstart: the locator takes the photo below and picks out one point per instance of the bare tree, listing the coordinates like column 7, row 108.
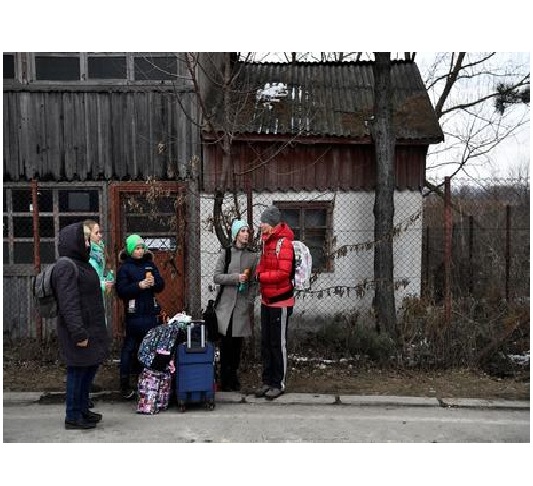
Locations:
column 475, row 97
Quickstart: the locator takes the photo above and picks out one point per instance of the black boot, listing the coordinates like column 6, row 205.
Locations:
column 126, row 391
column 92, row 417
column 235, row 383
column 80, row 424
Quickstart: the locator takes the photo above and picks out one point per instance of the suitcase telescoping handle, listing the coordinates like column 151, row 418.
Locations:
column 196, row 337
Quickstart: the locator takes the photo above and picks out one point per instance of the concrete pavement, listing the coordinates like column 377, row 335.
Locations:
column 15, row 398
column 293, row 417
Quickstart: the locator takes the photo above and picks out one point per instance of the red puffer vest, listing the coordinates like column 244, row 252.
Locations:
column 274, row 271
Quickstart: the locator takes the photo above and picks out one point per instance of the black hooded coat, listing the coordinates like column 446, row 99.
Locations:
column 81, row 306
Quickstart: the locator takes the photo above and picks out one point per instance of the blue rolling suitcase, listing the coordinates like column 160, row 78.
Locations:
column 195, row 368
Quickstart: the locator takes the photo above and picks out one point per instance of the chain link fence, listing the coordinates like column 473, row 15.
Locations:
column 489, row 266
column 489, row 270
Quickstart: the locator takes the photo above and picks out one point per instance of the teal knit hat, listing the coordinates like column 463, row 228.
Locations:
column 236, row 226
column 132, row 241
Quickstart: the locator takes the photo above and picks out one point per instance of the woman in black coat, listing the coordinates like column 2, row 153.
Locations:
column 81, row 327
column 138, row 280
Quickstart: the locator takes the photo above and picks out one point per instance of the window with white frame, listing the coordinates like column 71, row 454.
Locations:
column 312, row 223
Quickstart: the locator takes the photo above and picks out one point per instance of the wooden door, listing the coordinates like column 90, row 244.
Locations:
column 156, row 212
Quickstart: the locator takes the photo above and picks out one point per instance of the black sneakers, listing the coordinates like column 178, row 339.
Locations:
column 92, row 417
column 81, row 424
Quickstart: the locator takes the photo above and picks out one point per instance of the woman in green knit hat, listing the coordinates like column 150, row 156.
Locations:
column 138, row 280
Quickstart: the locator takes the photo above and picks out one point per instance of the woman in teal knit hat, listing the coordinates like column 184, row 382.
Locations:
column 237, row 294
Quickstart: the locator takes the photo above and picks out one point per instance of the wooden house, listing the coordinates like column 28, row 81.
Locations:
column 300, row 138
column 85, row 135
column 116, row 137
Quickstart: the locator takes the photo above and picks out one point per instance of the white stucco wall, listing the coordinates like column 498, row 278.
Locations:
column 353, row 224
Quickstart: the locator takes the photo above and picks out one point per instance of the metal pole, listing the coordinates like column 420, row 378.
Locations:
column 36, row 250
column 426, row 291
column 250, row 219
column 447, row 252
column 471, row 254
column 507, row 249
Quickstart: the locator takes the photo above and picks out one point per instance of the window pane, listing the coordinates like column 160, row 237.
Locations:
column 78, row 201
column 23, row 252
column 48, row 252
column 21, row 200
column 137, row 203
column 46, row 201
column 291, row 217
column 149, row 67
column 143, row 224
column 316, row 247
column 66, row 220
column 46, row 227
column 23, row 227
column 61, row 68
column 315, row 217
column 319, row 259
column 107, row 67
column 6, row 253
column 9, row 66
column 6, row 226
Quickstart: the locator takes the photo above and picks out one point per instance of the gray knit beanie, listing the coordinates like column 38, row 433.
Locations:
column 271, row 215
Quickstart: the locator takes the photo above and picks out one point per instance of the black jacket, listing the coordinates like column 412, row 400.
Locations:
column 130, row 273
column 81, row 306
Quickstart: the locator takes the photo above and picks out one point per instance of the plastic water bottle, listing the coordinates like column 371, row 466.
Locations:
column 243, row 285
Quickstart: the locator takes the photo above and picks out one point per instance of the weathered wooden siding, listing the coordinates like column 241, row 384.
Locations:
column 98, row 133
column 18, row 310
column 280, row 166
column 19, row 313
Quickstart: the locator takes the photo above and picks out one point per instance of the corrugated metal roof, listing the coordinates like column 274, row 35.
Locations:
column 332, row 100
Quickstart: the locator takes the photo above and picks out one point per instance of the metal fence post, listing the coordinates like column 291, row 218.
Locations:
column 471, row 254
column 507, row 249
column 447, row 252
column 36, row 251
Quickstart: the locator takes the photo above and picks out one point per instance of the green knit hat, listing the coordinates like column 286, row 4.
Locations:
column 132, row 241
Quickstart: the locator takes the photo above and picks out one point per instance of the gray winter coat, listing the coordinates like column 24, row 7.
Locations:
column 240, row 304
column 80, row 302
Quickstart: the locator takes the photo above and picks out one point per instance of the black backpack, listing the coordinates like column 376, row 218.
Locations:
column 43, row 293
column 211, row 322
column 209, row 315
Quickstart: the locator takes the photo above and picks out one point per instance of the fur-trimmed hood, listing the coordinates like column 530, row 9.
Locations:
column 147, row 257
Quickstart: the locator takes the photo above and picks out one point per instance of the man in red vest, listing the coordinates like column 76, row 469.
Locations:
column 274, row 273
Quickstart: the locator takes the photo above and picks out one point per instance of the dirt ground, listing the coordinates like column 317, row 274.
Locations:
column 308, row 377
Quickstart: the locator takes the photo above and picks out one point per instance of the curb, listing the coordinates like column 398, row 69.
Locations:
column 47, row 398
